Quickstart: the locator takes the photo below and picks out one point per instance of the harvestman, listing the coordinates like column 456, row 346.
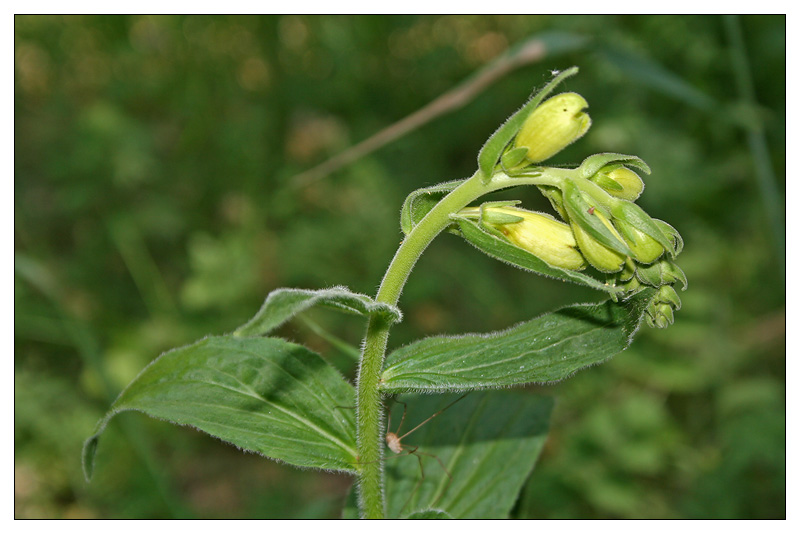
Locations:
column 394, row 442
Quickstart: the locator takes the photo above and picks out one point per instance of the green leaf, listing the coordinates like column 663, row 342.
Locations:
column 421, row 201
column 496, row 144
column 594, row 163
column 261, row 394
column 488, row 442
column 283, row 304
column 501, row 249
column 546, row 349
column 430, row 514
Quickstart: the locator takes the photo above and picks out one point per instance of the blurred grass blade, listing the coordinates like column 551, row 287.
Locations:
column 757, row 142
column 283, row 304
column 488, row 442
column 264, row 395
column 536, row 48
column 351, row 351
column 546, row 349
column 504, row 251
column 647, row 72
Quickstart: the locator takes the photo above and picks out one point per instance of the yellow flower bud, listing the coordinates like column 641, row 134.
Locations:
column 556, row 123
column 538, row 233
column 632, row 184
column 620, row 182
column 645, row 249
column 598, row 255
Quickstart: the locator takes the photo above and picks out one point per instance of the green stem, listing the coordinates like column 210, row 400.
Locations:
column 370, row 409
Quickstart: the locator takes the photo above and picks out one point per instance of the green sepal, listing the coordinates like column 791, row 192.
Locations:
column 607, row 183
column 635, row 216
column 668, row 295
column 661, row 273
column 582, row 213
column 493, row 244
column 418, row 203
column 672, row 234
column 495, row 217
column 591, row 165
column 492, row 150
column 513, row 157
column 556, row 198
column 284, row 303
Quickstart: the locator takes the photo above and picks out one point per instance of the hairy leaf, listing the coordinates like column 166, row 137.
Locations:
column 283, row 304
column 488, row 442
column 430, row 514
column 546, row 349
column 501, row 249
column 261, row 394
column 421, row 201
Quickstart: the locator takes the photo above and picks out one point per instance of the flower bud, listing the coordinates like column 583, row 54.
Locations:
column 620, row 182
column 661, row 272
column 538, row 233
column 598, row 255
column 668, row 295
column 553, row 125
column 645, row 249
column 660, row 315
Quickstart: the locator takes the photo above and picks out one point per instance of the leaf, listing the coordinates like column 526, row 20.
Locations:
column 501, row 249
column 430, row 514
column 261, row 394
column 283, row 304
column 497, row 142
column 546, row 349
column 488, row 442
column 421, row 201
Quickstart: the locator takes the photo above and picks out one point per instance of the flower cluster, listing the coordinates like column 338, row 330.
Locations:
column 602, row 226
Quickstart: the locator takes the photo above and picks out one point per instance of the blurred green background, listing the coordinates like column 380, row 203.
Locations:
column 155, row 203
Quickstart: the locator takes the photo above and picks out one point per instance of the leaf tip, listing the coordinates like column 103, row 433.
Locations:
column 87, row 457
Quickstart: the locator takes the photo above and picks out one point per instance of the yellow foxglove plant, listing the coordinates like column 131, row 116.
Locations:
column 265, row 394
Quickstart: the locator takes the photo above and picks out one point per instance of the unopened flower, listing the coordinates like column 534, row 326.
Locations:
column 538, row 233
column 620, row 182
column 661, row 311
column 645, row 249
column 598, row 255
column 553, row 125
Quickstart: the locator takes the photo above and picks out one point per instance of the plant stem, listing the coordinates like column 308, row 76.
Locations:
column 369, row 406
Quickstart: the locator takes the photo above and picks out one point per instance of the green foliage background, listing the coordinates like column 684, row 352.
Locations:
column 154, row 204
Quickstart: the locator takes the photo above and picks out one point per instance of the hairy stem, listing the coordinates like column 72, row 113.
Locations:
column 370, row 409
